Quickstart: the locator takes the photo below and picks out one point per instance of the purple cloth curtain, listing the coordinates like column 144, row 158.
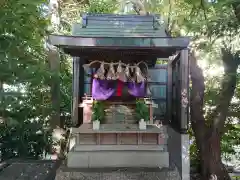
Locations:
column 104, row 89
column 137, row 89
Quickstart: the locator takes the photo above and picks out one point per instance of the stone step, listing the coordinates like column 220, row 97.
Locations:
column 124, row 158
column 118, row 174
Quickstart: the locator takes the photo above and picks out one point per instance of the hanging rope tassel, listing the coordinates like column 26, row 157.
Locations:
column 119, row 70
column 132, row 70
column 139, row 76
column 100, row 72
column 111, row 73
column 121, row 73
column 127, row 74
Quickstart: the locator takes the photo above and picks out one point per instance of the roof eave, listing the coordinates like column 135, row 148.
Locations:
column 120, row 42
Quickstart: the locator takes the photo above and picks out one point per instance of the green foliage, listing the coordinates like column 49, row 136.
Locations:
column 98, row 112
column 101, row 6
column 194, row 156
column 194, row 152
column 142, row 110
column 29, row 139
column 24, row 79
column 21, row 36
column 213, row 25
column 161, row 62
column 26, row 103
column 65, row 85
column 230, row 140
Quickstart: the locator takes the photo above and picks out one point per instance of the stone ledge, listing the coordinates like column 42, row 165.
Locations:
column 119, row 128
column 93, row 148
column 118, row 174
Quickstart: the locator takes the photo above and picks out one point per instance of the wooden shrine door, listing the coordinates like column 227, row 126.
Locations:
column 158, row 88
column 178, row 92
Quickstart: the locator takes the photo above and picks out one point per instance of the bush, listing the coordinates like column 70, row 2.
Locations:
column 28, row 139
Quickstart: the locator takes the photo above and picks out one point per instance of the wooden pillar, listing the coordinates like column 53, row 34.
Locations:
column 151, row 113
column 169, row 92
column 184, row 80
column 75, row 81
column 78, row 91
column 81, row 91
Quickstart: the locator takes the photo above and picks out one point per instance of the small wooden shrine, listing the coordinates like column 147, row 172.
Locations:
column 128, row 75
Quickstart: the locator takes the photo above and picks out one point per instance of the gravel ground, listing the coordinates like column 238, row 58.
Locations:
column 29, row 170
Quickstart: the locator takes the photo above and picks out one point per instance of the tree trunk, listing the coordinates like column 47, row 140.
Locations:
column 210, row 159
column 54, row 65
column 236, row 9
column 228, row 86
column 208, row 138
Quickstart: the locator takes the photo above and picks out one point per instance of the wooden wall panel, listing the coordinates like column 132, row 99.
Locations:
column 108, row 138
column 149, row 138
column 129, row 139
column 87, row 139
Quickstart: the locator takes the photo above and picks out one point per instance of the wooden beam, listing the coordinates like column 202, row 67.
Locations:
column 184, row 75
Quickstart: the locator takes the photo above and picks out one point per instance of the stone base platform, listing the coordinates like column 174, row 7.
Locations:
column 108, row 156
column 94, row 156
column 117, row 174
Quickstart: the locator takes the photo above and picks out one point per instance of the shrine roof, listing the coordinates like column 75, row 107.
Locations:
column 113, row 25
column 104, row 32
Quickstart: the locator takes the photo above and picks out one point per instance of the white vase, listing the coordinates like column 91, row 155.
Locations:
column 142, row 124
column 96, row 125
